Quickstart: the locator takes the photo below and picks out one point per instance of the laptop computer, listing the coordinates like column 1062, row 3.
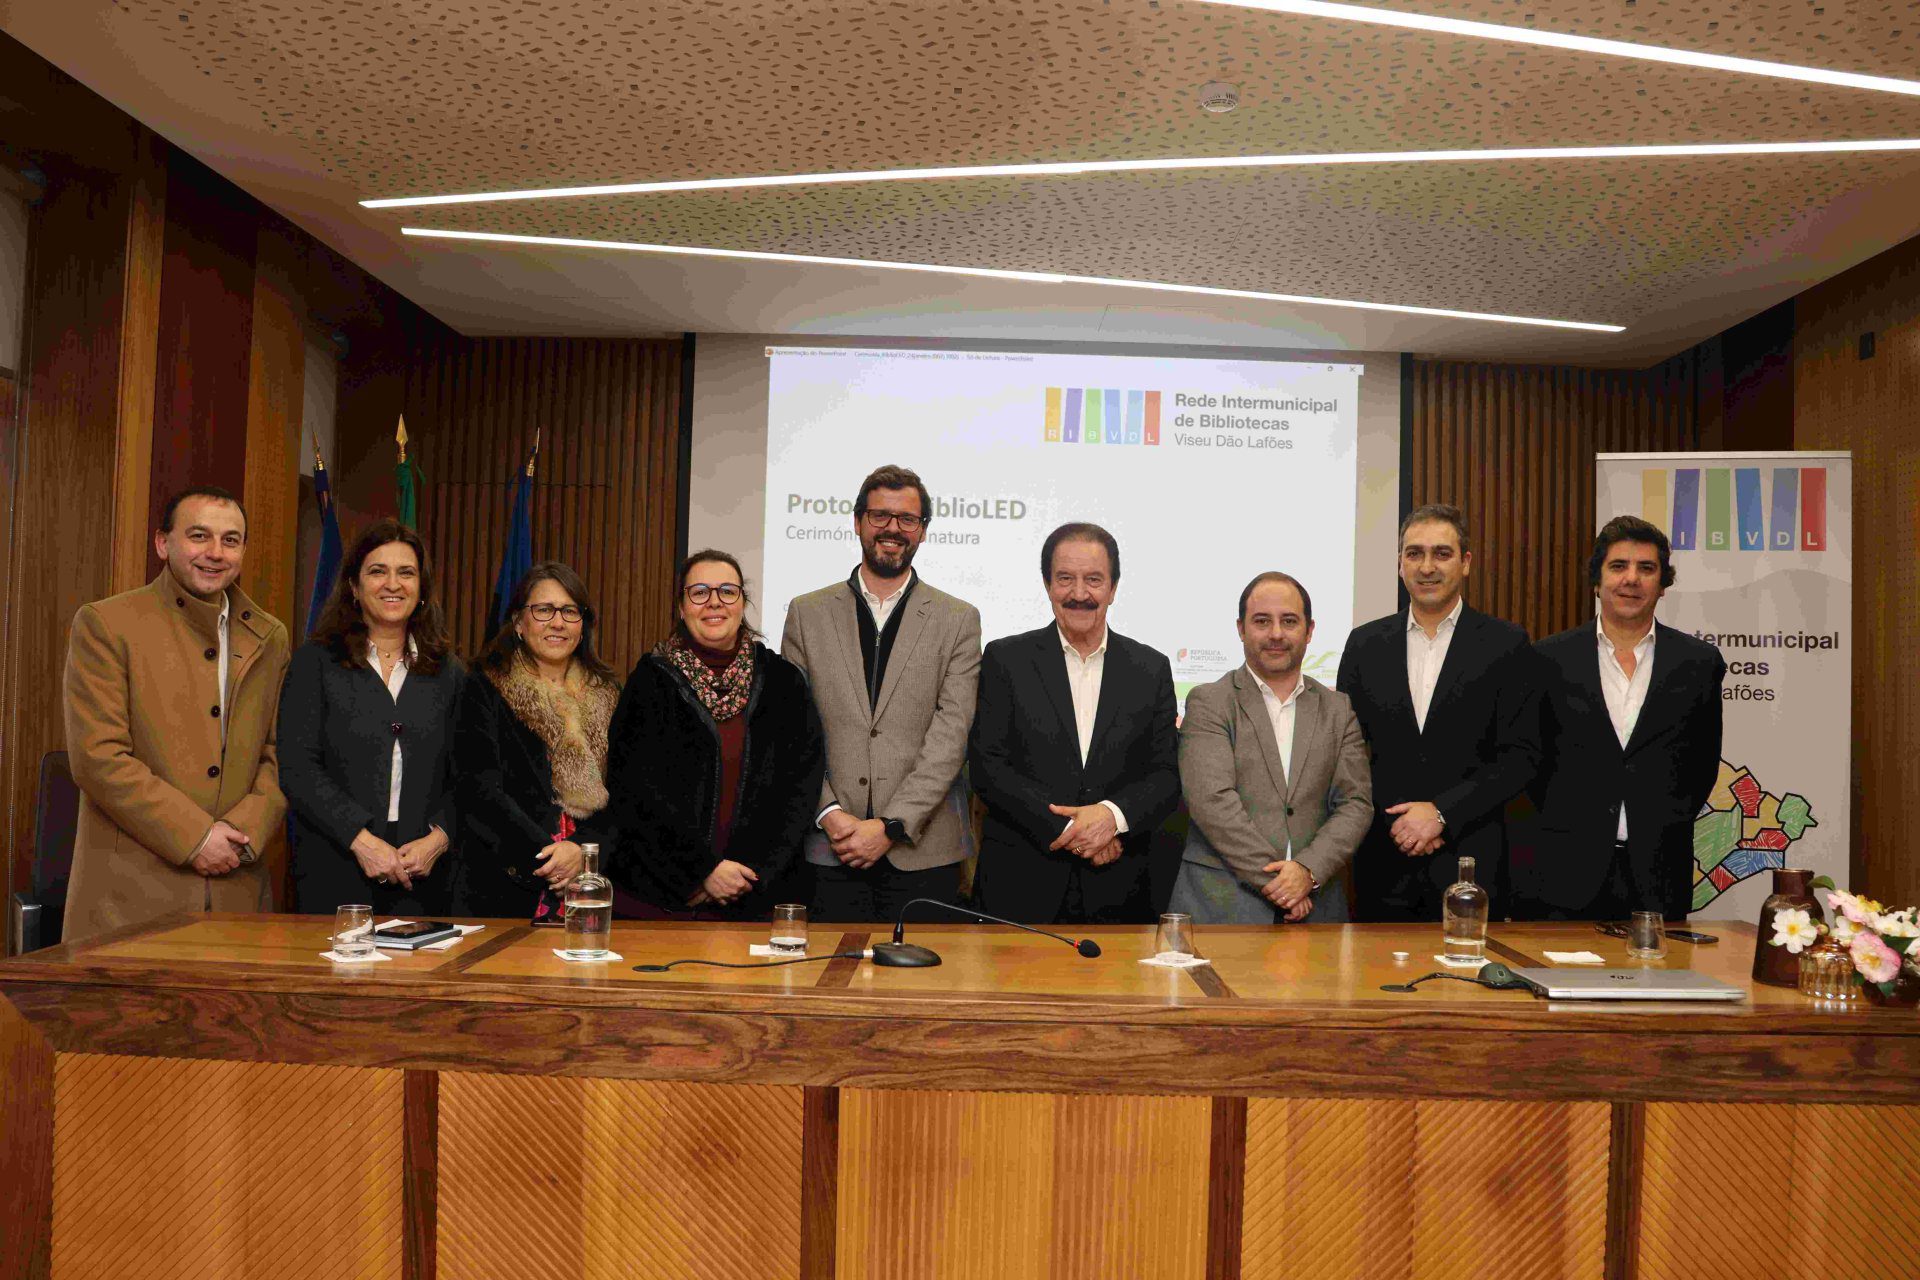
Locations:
column 1567, row 983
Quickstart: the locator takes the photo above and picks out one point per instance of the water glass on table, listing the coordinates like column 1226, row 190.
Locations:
column 789, row 935
column 1647, row 935
column 353, row 931
column 1174, row 938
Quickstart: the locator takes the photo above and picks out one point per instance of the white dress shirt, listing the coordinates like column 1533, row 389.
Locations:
column 393, row 682
column 1083, row 679
column 882, row 609
column 1625, row 694
column 1280, row 716
column 1425, row 657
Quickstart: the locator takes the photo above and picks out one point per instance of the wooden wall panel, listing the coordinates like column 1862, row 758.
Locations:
column 167, row 1167
column 1513, row 445
column 146, row 188
column 1732, row 1191
column 1030, row 1185
column 1844, row 402
column 1428, row 1190
column 604, row 495
column 276, row 401
column 584, row 1179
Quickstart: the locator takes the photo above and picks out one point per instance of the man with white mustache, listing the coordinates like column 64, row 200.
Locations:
column 1630, row 740
column 171, row 693
column 1274, row 769
column 1445, row 696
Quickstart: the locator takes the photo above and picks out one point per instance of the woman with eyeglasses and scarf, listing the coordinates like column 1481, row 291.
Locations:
column 716, row 760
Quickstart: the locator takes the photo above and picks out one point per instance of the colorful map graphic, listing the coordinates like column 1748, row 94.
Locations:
column 1744, row 830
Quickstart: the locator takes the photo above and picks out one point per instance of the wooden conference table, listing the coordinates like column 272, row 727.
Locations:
column 207, row 1097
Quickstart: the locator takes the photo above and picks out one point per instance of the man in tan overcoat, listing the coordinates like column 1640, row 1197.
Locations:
column 171, row 692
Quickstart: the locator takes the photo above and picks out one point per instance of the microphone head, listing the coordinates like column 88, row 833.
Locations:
column 1087, row 947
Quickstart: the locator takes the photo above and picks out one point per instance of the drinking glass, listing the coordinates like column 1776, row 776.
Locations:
column 789, row 936
column 1175, row 935
column 1647, row 935
column 353, row 931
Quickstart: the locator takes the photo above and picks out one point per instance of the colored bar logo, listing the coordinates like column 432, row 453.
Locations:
column 1783, row 529
column 1685, row 530
column 1719, row 530
column 1813, row 508
column 1099, row 415
column 1653, row 497
column 1729, row 508
column 1746, row 505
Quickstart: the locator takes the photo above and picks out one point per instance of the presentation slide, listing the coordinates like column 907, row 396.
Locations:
column 1206, row 471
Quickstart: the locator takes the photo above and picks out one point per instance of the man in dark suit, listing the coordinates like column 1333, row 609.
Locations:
column 1630, row 735
column 1073, row 751
column 1443, row 695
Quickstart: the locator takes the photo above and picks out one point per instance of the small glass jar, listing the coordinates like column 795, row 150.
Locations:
column 1826, row 972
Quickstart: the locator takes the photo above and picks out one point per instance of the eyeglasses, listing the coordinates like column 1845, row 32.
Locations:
column 545, row 612
column 898, row 519
column 701, row 592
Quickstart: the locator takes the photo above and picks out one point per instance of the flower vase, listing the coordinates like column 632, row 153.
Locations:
column 1905, row 986
column 1773, row 963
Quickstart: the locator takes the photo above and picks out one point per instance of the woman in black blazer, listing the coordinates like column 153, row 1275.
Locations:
column 365, row 720
column 716, row 760
column 530, row 750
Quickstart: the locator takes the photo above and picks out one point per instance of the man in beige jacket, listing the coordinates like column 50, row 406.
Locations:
column 171, row 691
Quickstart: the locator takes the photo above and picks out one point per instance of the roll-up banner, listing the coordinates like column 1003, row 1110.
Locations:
column 1763, row 553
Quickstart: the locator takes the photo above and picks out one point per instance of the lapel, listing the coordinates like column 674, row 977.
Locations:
column 1112, row 674
column 1587, row 674
column 844, row 613
column 1307, row 715
column 1253, row 709
column 1465, row 631
column 914, row 625
column 1659, row 687
column 1399, row 699
column 1050, row 664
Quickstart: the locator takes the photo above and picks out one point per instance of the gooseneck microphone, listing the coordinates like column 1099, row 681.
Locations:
column 900, row 954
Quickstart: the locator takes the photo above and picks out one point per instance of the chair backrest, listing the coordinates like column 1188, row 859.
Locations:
column 56, row 816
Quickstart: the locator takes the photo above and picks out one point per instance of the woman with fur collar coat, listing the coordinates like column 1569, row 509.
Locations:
column 530, row 750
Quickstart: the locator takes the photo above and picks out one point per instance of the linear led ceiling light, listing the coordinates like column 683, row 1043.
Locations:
column 1071, row 168
column 1580, row 44
column 1033, row 277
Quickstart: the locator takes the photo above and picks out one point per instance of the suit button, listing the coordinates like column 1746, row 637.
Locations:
column 1289, row 811
column 211, row 654
column 181, row 601
column 873, row 733
column 214, row 711
column 213, row 771
column 246, row 615
column 397, row 727
column 862, row 782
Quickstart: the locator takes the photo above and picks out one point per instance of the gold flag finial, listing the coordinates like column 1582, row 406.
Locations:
column 531, row 457
column 400, row 436
column 318, row 465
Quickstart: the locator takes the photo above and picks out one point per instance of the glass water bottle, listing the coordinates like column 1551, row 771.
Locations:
column 1464, row 917
column 589, row 909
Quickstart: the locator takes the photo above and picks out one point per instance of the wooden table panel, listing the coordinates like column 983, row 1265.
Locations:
column 659, row 942
column 977, row 958
column 571, row 1179
column 1353, row 1190
column 1731, row 1191
column 167, row 1168
column 291, row 941
column 1029, row 1185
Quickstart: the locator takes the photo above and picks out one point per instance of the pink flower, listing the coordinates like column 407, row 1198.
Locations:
column 1848, row 905
column 1873, row 959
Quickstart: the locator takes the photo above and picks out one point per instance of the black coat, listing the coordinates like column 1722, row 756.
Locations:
column 503, row 783
column 1024, row 754
column 337, row 727
column 1663, row 775
column 663, row 771
column 1479, row 749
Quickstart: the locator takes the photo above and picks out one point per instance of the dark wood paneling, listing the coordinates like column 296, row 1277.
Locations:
column 1513, row 446
column 605, row 482
column 15, row 877
column 146, row 191
column 420, row 1172
column 1757, row 359
column 205, row 337
column 276, row 401
column 1226, row 1187
column 1844, row 402
column 26, row 1149
column 819, row 1182
column 1626, row 1149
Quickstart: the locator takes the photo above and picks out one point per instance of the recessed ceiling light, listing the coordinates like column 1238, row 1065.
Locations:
column 1055, row 169
column 991, row 273
column 1581, row 44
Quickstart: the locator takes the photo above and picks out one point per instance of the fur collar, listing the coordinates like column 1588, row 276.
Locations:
column 572, row 721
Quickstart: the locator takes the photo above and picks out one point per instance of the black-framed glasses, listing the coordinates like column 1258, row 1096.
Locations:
column 900, row 520
column 545, row 612
column 701, row 592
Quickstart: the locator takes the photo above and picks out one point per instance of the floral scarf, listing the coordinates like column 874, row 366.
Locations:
column 724, row 695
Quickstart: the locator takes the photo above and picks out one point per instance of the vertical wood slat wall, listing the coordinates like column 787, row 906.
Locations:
column 608, row 413
column 1513, row 446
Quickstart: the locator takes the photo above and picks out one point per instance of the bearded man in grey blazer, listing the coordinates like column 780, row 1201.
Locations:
column 1275, row 773
column 894, row 664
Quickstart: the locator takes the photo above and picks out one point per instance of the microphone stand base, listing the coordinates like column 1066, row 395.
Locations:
column 904, row 955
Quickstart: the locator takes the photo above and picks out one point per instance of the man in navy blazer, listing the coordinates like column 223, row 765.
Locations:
column 1444, row 695
column 1073, row 751
column 1630, row 735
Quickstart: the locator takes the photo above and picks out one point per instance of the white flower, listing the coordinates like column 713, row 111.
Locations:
column 1843, row 930
column 1898, row 924
column 1794, row 929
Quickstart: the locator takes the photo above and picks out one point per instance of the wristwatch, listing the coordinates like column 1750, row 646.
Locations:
column 896, row 830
